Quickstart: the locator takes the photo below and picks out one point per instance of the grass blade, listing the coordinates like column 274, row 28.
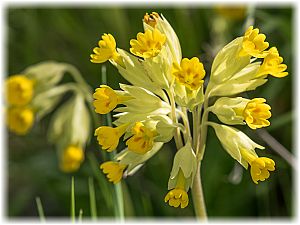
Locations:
column 93, row 206
column 80, row 215
column 40, row 209
column 72, row 201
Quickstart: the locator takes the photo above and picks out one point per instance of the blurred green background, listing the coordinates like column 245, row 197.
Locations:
column 35, row 34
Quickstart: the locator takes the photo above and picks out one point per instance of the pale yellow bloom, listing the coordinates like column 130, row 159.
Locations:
column 272, row 65
column 178, row 196
column 190, row 73
column 114, row 171
column 108, row 137
column 257, row 113
column 148, row 44
column 72, row 158
column 20, row 119
column 142, row 140
column 151, row 19
column 260, row 166
column 106, row 50
column 254, row 43
column 106, row 99
column 19, row 90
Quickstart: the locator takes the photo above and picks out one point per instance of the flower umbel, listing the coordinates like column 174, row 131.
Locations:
column 272, row 65
column 178, row 196
column 108, row 137
column 19, row 90
column 190, row 73
column 254, row 43
column 142, row 139
column 151, row 19
column 114, row 171
column 257, row 113
column 148, row 44
column 20, row 119
column 72, row 157
column 260, row 166
column 106, row 50
column 106, row 99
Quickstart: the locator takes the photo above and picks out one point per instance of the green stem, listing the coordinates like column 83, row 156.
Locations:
column 198, row 197
column 177, row 136
column 72, row 201
column 119, row 206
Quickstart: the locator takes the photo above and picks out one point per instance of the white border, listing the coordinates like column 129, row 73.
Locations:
column 146, row 3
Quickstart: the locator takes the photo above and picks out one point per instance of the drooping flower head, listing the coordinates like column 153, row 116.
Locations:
column 142, row 140
column 151, row 19
column 72, row 158
column 20, row 119
column 114, row 171
column 254, row 43
column 260, row 166
column 257, row 113
column 148, row 44
column 19, row 90
column 178, row 196
column 272, row 65
column 190, row 73
column 106, row 50
column 108, row 137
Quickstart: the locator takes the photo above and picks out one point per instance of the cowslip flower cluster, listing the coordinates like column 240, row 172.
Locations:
column 35, row 92
column 165, row 88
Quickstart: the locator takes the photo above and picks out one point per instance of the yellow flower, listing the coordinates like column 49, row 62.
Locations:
column 114, row 171
column 106, row 50
column 106, row 99
column 272, row 65
column 178, row 196
column 148, row 44
column 108, row 137
column 260, row 166
column 151, row 19
column 254, row 43
column 19, row 90
column 190, row 73
column 142, row 139
column 20, row 119
column 257, row 113
column 72, row 158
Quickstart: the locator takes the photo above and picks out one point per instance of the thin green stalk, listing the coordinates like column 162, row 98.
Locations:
column 177, row 136
column 93, row 206
column 40, row 209
column 118, row 194
column 72, row 201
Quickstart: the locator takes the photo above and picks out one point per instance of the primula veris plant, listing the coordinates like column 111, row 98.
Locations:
column 165, row 88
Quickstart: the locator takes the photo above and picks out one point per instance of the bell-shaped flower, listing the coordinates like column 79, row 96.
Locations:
column 71, row 158
column 113, row 170
column 20, row 119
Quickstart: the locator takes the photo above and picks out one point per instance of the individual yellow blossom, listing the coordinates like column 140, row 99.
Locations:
column 272, row 65
column 72, row 158
column 254, row 43
column 106, row 50
column 142, row 140
column 19, row 90
column 190, row 73
column 108, row 137
column 178, row 196
column 257, row 113
column 260, row 166
column 20, row 119
column 114, row 171
column 148, row 44
column 151, row 19
column 106, row 99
